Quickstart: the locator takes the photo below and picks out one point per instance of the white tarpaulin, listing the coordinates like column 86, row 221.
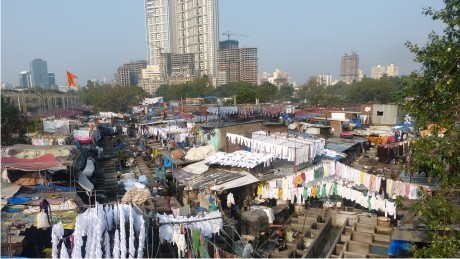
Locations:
column 196, row 168
column 56, row 126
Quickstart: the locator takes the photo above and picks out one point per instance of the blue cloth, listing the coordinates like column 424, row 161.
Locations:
column 397, row 245
column 211, row 200
column 42, row 187
column 167, row 162
column 12, row 210
column 18, row 200
column 78, row 144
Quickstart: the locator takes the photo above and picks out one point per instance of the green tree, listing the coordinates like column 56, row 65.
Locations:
column 383, row 90
column 246, row 95
column 112, row 98
column 199, row 87
column 230, row 89
column 339, row 89
column 433, row 98
column 266, row 92
column 286, row 92
column 311, row 91
column 14, row 125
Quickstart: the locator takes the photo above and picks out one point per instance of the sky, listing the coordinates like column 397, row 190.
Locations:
column 92, row 38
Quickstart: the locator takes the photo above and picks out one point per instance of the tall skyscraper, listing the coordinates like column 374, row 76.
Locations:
column 183, row 27
column 24, row 79
column 39, row 73
column 349, row 67
column 158, row 25
column 236, row 64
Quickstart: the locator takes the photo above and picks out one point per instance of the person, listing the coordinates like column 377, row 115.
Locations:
column 247, row 250
column 281, row 238
column 46, row 207
column 171, row 144
column 235, row 208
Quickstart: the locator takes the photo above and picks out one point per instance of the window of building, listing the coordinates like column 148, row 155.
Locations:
column 379, row 113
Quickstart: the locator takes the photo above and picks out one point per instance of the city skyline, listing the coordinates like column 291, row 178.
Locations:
column 301, row 38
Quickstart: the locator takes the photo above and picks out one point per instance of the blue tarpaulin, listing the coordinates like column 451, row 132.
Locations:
column 42, row 187
column 18, row 200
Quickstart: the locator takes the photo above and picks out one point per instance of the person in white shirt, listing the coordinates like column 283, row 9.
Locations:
column 247, row 250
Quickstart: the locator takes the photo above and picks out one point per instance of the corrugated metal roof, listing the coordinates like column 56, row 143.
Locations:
column 341, row 145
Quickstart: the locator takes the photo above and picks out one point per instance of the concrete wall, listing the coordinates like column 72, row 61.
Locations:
column 384, row 114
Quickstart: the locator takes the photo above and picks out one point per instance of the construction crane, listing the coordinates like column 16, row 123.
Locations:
column 228, row 34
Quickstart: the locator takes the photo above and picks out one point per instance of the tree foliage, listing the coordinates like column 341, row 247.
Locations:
column 383, row 90
column 433, row 98
column 111, row 98
column 199, row 87
column 246, row 95
column 266, row 92
column 286, row 92
column 14, row 125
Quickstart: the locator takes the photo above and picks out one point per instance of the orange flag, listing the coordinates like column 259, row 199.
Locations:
column 70, row 79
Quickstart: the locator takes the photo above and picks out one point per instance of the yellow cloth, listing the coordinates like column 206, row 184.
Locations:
column 362, row 175
column 298, row 180
column 259, row 190
column 314, row 191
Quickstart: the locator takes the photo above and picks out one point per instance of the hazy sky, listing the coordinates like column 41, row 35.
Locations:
column 92, row 38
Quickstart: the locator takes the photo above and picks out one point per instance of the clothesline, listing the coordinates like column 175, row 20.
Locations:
column 188, row 221
column 240, row 158
column 298, row 150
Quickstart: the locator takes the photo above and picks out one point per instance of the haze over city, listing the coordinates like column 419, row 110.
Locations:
column 301, row 38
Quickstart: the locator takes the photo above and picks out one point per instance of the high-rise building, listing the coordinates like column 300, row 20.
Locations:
column 279, row 79
column 178, row 66
column 378, row 71
column 130, row 73
column 349, row 68
column 236, row 64
column 158, row 25
column 39, row 73
column 151, row 79
column 325, row 80
column 51, row 79
column 24, row 79
column 392, row 70
column 183, row 27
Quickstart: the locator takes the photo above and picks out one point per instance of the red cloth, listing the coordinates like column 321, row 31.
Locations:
column 85, row 141
column 36, row 164
column 304, row 177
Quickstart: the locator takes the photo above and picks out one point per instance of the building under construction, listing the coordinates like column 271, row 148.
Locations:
column 236, row 64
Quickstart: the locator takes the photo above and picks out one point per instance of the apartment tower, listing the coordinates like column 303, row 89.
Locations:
column 183, row 27
column 349, row 68
column 236, row 64
column 129, row 74
column 39, row 73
